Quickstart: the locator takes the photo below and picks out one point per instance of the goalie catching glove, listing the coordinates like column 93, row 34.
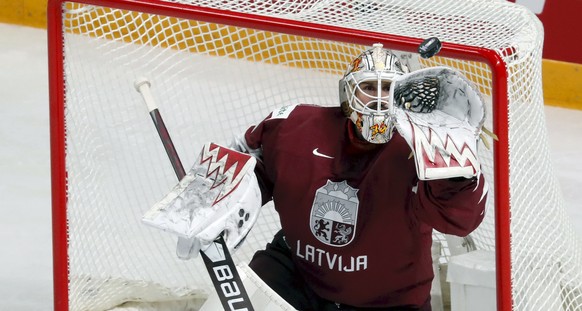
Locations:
column 219, row 195
column 440, row 115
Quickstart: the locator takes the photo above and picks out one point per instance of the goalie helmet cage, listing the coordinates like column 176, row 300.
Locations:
column 217, row 67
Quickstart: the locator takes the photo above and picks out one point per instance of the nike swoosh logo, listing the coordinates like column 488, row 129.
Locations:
column 315, row 152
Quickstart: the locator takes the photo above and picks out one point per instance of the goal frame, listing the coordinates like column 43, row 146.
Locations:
column 57, row 113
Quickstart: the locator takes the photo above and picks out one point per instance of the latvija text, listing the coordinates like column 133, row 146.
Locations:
column 331, row 261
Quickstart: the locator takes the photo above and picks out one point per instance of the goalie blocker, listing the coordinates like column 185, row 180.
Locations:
column 213, row 207
column 218, row 196
column 222, row 271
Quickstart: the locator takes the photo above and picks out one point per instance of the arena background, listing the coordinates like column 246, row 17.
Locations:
column 562, row 64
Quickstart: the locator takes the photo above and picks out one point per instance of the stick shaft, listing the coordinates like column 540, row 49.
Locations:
column 221, row 267
column 168, row 144
column 142, row 85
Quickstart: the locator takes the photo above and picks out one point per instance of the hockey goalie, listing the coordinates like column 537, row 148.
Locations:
column 359, row 187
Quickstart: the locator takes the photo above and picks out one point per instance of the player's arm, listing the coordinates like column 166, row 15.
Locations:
column 240, row 144
column 251, row 142
column 452, row 206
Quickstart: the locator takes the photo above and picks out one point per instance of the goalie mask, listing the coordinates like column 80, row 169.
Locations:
column 364, row 93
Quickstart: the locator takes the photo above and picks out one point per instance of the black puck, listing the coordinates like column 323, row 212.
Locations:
column 429, row 47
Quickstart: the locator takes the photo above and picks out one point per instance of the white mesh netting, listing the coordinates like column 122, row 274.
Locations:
column 212, row 81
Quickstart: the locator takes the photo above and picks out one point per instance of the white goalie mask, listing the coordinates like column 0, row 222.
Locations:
column 364, row 93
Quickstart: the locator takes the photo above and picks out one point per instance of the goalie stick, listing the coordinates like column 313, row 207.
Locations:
column 217, row 259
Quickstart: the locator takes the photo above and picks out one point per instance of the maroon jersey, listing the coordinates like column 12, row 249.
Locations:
column 357, row 219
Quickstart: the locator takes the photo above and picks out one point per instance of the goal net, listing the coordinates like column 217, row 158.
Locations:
column 216, row 67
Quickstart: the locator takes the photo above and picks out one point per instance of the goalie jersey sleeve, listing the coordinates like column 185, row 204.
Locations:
column 357, row 219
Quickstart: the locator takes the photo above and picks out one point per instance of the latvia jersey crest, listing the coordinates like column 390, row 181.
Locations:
column 334, row 213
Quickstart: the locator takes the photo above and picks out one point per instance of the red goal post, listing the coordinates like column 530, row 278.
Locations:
column 117, row 26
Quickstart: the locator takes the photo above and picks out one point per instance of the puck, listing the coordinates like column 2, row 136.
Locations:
column 429, row 47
